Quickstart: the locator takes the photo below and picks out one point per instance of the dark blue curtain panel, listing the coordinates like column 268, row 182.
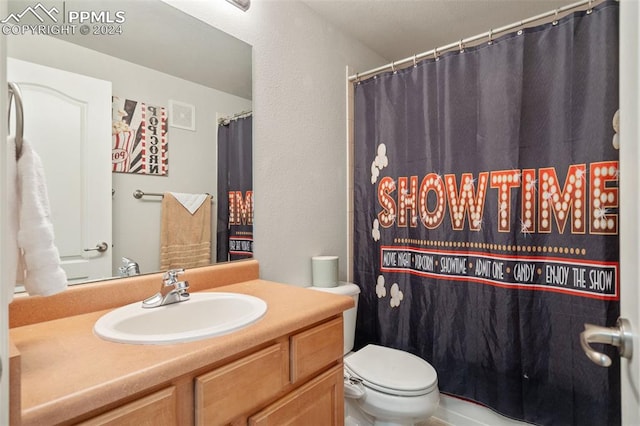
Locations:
column 486, row 217
column 235, row 190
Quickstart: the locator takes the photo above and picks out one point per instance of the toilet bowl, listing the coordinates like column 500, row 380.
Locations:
column 383, row 386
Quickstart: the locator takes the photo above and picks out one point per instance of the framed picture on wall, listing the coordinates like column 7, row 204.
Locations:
column 139, row 137
column 182, row 115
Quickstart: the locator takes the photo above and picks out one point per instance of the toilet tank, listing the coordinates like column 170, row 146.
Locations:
column 349, row 316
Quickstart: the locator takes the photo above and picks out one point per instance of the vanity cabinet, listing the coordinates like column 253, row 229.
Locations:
column 297, row 380
column 284, row 369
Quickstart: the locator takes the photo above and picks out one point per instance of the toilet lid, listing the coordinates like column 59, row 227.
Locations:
column 392, row 371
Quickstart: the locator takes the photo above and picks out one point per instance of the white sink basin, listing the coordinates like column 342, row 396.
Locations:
column 203, row 315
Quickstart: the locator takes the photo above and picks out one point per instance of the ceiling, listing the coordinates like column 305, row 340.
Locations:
column 398, row 29
column 155, row 35
column 395, row 29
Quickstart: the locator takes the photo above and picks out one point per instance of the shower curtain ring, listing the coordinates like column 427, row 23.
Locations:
column 555, row 19
column 590, row 9
column 415, row 62
column 393, row 67
column 435, row 54
column 490, row 42
column 461, row 46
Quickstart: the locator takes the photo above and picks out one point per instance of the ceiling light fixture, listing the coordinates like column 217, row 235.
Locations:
column 241, row 4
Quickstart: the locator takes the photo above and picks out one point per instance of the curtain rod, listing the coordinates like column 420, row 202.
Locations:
column 412, row 60
column 226, row 120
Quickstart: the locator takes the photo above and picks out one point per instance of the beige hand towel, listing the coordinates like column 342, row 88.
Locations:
column 185, row 238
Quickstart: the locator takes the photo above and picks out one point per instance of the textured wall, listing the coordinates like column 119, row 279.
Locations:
column 299, row 104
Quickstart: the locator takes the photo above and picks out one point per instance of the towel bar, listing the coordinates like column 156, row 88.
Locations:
column 138, row 194
column 14, row 93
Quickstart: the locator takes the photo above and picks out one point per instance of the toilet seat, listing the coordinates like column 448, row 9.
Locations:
column 392, row 371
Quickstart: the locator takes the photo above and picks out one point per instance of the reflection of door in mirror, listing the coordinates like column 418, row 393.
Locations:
column 67, row 121
column 193, row 64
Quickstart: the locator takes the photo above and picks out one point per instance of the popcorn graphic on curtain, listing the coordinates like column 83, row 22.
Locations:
column 139, row 138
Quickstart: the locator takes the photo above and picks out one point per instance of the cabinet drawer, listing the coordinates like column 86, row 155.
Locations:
column 317, row 403
column 159, row 408
column 316, row 348
column 236, row 389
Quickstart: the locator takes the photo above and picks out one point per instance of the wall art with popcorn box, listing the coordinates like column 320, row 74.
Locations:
column 139, row 138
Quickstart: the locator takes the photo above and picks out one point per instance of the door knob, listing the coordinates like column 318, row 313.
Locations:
column 619, row 336
column 100, row 247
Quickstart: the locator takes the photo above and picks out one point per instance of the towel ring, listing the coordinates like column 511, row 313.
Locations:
column 14, row 93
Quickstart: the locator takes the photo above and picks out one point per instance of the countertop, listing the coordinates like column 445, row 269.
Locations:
column 66, row 370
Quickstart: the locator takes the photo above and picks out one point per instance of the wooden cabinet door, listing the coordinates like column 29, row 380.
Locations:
column 157, row 409
column 315, row 349
column 317, row 403
column 238, row 389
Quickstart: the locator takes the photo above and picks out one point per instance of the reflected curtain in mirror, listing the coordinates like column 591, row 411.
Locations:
column 235, row 189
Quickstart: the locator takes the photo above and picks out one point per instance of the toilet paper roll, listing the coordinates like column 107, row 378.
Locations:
column 324, row 270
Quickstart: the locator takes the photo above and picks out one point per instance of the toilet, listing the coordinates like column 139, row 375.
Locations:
column 383, row 386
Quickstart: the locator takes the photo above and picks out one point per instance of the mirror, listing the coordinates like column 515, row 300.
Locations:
column 152, row 53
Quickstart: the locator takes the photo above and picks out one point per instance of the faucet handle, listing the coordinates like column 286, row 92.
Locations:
column 182, row 288
column 171, row 276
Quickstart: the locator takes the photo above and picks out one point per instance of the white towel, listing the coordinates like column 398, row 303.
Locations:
column 191, row 202
column 38, row 260
column 11, row 240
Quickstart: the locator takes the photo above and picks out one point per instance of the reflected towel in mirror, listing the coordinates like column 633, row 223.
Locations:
column 191, row 202
column 185, row 238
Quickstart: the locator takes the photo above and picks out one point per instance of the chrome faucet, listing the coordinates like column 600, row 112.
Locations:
column 128, row 268
column 172, row 290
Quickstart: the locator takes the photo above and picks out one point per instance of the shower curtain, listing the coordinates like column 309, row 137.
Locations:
column 486, row 217
column 235, row 190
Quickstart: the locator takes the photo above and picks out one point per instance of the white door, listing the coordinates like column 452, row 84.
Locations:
column 625, row 336
column 4, row 316
column 630, row 201
column 67, row 119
